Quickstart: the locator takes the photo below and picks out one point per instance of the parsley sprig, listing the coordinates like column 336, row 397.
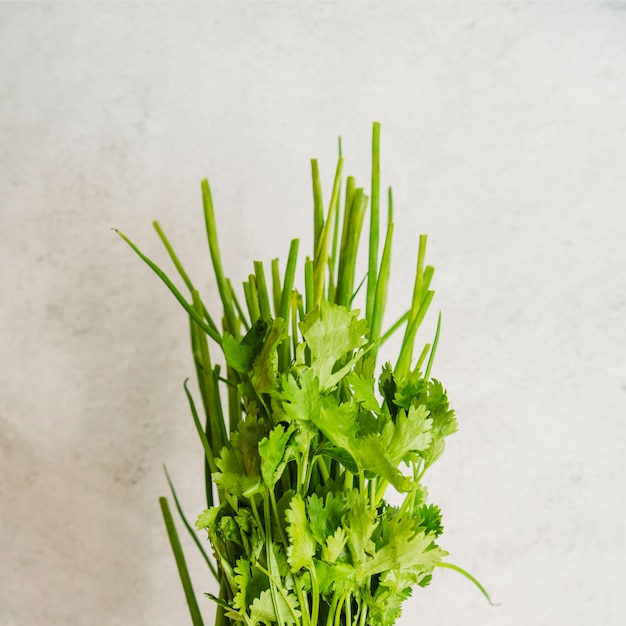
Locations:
column 302, row 438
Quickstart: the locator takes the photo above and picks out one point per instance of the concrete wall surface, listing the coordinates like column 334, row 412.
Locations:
column 504, row 137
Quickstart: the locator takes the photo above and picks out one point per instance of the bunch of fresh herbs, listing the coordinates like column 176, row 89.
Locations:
column 302, row 437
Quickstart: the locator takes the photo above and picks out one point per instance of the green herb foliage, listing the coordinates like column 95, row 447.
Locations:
column 298, row 464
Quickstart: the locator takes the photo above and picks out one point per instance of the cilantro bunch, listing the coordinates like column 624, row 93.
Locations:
column 302, row 438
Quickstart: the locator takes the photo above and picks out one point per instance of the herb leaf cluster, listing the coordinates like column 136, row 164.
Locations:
column 303, row 519
column 302, row 438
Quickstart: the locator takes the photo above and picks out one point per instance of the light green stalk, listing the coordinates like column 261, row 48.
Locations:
column 372, row 267
column 209, row 219
column 192, row 603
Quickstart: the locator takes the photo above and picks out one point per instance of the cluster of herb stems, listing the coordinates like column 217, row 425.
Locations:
column 328, row 275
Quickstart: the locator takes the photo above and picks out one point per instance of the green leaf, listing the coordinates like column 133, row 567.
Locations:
column 262, row 609
column 340, row 455
column 338, row 423
column 359, row 524
column 325, row 515
column 272, row 450
column 330, row 332
column 336, row 578
column 246, row 438
column 396, row 581
column 363, row 392
column 385, row 607
column 250, row 582
column 409, row 390
column 232, row 476
column 372, row 455
column 387, row 387
column 207, row 518
column 429, row 518
column 410, row 432
column 301, row 541
column 240, row 355
column 300, row 397
column 407, row 548
column 334, row 547
column 444, row 422
column 264, row 368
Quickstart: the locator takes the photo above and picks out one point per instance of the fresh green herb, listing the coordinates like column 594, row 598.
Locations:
column 296, row 477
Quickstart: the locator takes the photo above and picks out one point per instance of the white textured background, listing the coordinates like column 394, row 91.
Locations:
column 504, row 136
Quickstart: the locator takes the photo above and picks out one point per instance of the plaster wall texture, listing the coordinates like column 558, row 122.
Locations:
column 504, row 137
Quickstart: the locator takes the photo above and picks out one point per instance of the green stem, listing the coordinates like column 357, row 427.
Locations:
column 339, row 608
column 240, row 312
column 320, row 259
column 309, row 288
column 404, row 361
column 356, row 204
column 257, row 518
column 190, row 530
column 264, row 298
column 333, row 610
column 372, row 268
column 422, row 356
column 273, row 580
column 304, row 474
column 181, row 270
column 290, row 273
column 304, row 605
column 183, row 572
column 418, row 306
column 208, row 385
column 363, row 613
column 318, row 204
column 220, row 617
column 376, row 320
column 211, row 230
column 203, row 438
column 467, row 575
column 170, row 285
column 234, row 399
column 380, row 490
column 279, row 522
column 252, row 298
column 332, row 261
column 270, row 563
column 294, row 320
column 276, row 288
column 285, row 306
column 321, row 466
column 315, row 593
column 431, row 358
